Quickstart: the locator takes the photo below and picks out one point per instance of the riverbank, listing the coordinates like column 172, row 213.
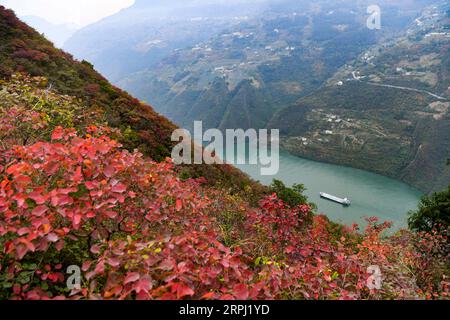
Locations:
column 335, row 156
column 371, row 194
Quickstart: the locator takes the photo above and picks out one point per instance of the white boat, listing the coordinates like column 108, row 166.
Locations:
column 344, row 201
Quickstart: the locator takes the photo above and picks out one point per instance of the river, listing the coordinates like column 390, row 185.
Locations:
column 371, row 194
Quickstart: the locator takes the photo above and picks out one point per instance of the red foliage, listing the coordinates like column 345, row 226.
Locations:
column 92, row 89
column 34, row 55
column 140, row 232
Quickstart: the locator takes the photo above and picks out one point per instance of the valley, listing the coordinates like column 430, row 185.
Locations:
column 339, row 93
column 95, row 204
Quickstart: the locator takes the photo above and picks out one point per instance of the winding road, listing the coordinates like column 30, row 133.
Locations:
column 398, row 87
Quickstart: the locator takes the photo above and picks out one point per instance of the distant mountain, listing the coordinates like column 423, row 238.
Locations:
column 57, row 33
column 138, row 37
column 243, row 75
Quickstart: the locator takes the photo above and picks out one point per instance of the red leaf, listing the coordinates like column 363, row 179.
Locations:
column 17, row 289
column 58, row 133
column 131, row 277
column 21, row 251
column 100, row 267
column 119, row 188
column 111, row 214
column 179, row 205
column 240, row 291
column 95, row 249
column 77, row 175
column 208, row 296
column 52, row 237
column 20, row 200
column 167, row 264
column 23, row 231
column 37, row 197
column 77, row 219
column 183, row 291
column 86, row 265
column 113, row 262
column 109, row 171
column 39, row 211
column 30, row 245
column 59, row 245
column 290, row 249
column 143, row 285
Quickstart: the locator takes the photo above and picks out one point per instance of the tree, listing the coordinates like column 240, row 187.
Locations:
column 292, row 196
column 433, row 212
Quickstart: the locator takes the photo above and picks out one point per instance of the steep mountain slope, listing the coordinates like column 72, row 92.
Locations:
column 138, row 37
column 74, row 197
column 22, row 49
column 388, row 111
column 243, row 75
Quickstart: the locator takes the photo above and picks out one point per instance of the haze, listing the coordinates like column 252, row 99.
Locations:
column 80, row 12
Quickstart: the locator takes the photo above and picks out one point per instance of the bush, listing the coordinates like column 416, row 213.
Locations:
column 75, row 197
column 433, row 213
column 138, row 232
column 292, row 196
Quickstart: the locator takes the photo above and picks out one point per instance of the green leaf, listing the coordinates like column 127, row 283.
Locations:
column 7, row 285
column 32, row 266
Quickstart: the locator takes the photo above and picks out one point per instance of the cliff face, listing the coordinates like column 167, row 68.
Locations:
column 392, row 132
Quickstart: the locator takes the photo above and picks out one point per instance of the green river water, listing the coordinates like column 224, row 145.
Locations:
column 371, row 194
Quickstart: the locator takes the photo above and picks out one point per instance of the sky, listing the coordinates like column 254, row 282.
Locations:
column 77, row 12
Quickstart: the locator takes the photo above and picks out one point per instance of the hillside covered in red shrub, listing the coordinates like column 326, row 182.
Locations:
column 75, row 192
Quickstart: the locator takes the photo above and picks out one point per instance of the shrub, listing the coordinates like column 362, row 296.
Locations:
column 292, row 196
column 74, row 196
column 433, row 213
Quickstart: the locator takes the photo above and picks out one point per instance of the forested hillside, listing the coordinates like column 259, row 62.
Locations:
column 24, row 50
column 241, row 76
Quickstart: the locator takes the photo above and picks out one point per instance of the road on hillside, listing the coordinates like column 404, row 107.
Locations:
column 355, row 77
